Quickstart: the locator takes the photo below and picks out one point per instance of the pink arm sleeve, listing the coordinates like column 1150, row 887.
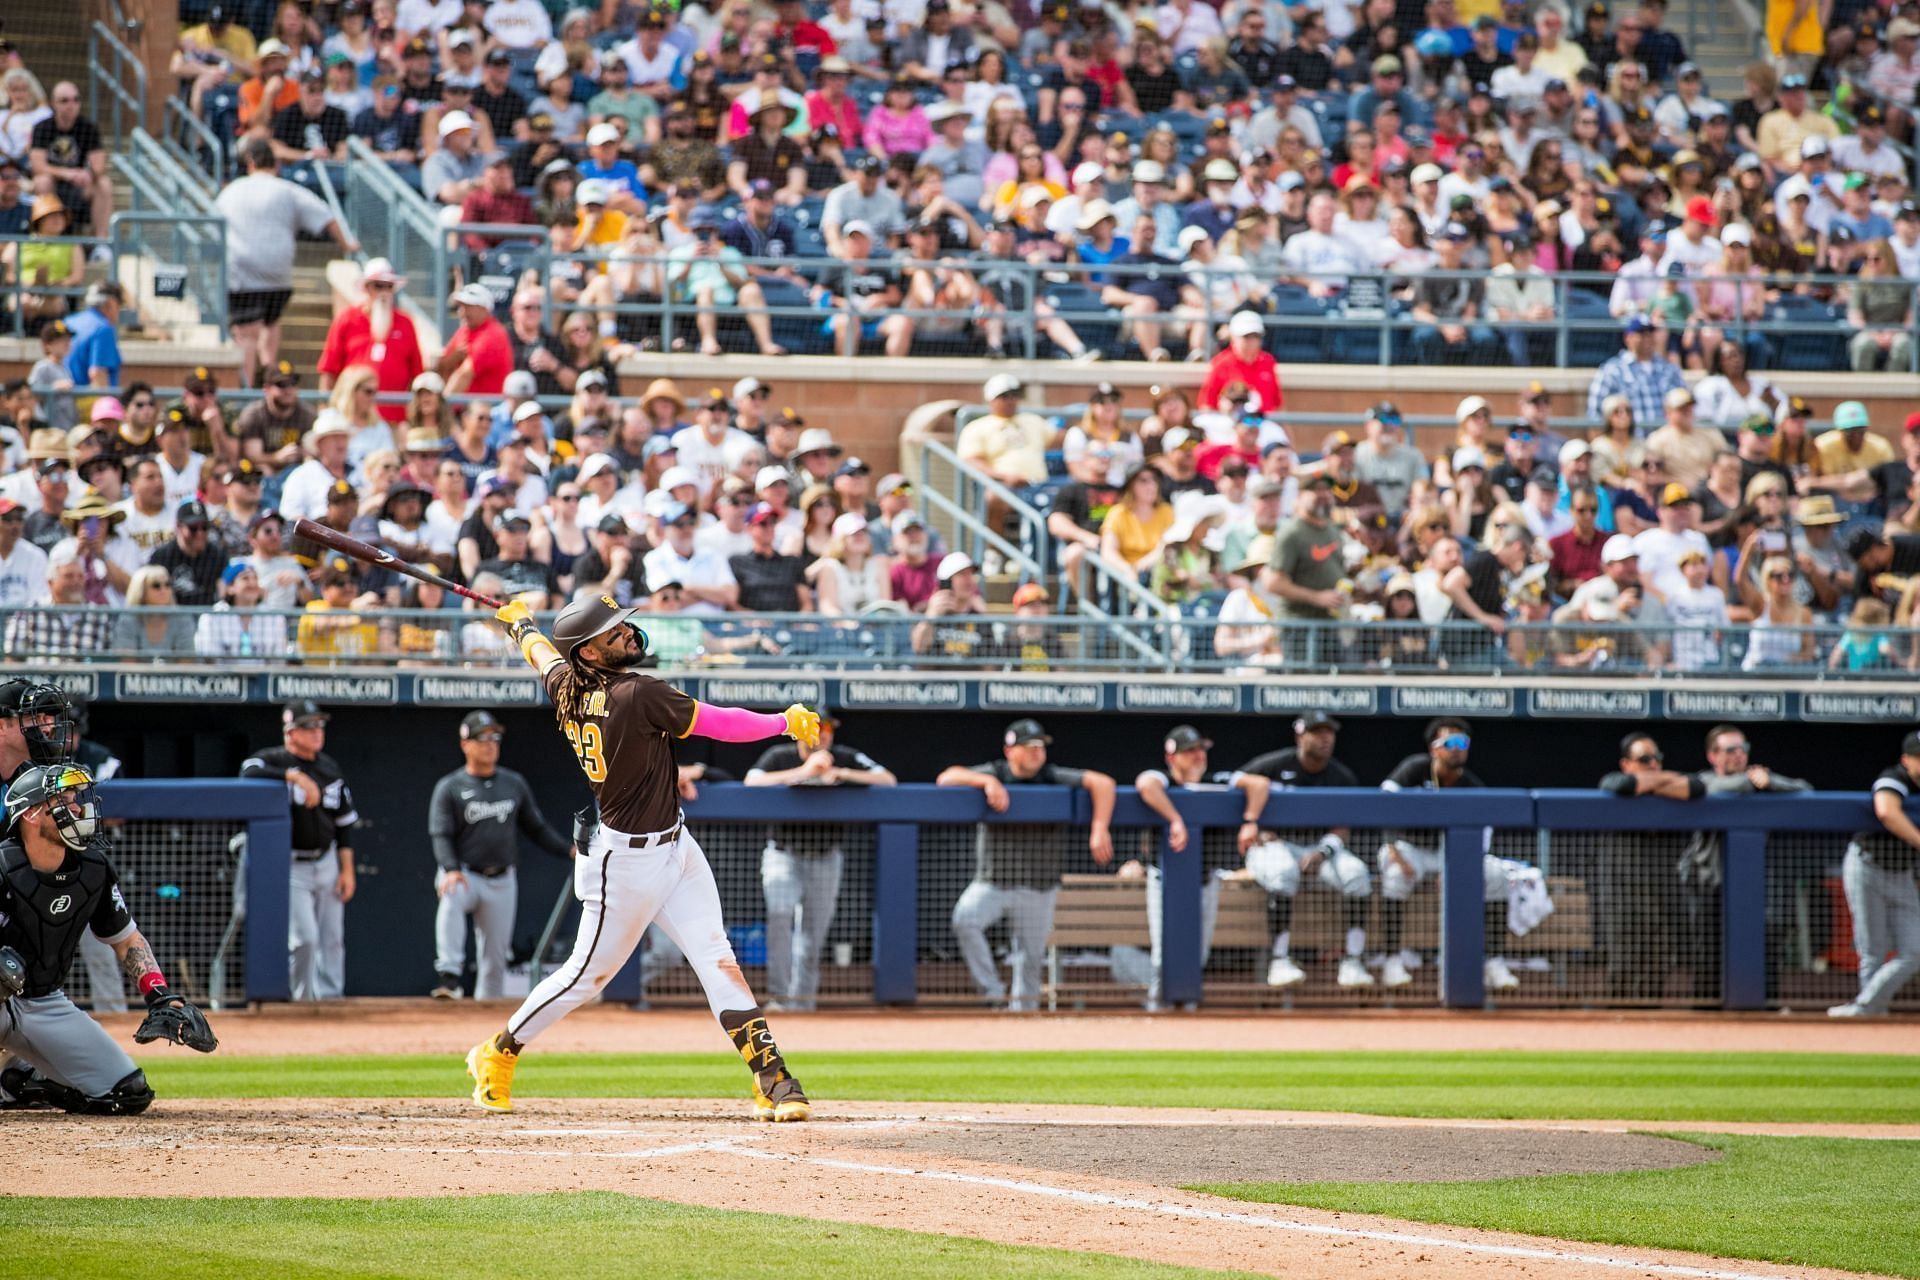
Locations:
column 735, row 724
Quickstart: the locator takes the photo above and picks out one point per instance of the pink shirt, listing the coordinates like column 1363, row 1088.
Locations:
column 887, row 134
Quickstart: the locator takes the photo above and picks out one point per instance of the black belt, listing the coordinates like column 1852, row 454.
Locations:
column 658, row 838
column 487, row 873
column 310, row 855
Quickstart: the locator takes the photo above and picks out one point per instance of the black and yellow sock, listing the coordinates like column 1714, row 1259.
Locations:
column 505, row 1043
column 751, row 1037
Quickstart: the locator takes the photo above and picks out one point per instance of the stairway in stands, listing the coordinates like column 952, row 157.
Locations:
column 303, row 330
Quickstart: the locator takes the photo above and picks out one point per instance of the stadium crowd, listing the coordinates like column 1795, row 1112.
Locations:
column 512, row 457
column 1182, row 161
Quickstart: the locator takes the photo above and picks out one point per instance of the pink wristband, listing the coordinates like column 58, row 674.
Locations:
column 736, row 724
column 149, row 980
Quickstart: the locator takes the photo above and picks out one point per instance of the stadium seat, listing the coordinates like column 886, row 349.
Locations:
column 1819, row 345
column 799, row 334
column 1296, row 330
column 1594, row 335
column 1094, row 321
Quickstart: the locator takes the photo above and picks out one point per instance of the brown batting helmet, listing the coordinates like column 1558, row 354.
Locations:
column 588, row 617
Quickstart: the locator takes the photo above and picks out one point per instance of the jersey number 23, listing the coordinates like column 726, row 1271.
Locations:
column 587, row 747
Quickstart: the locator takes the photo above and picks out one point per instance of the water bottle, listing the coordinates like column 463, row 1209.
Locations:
column 246, row 644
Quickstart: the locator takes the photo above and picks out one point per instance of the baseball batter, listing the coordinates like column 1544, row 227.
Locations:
column 642, row 865
column 476, row 818
column 1878, row 875
column 56, row 882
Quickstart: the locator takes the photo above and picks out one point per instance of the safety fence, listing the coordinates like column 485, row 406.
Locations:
column 986, row 641
column 1186, row 637
column 203, row 864
column 1548, row 899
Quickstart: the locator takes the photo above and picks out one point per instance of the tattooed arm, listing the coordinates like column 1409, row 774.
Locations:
column 138, row 963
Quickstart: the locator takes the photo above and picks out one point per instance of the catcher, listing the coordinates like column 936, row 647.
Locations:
column 55, row 881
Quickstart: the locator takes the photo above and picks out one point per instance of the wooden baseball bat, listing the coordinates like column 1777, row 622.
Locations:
column 355, row 549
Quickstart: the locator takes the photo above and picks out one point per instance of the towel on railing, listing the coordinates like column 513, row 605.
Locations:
column 1527, row 900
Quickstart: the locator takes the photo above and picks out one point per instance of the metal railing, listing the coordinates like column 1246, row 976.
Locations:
column 889, row 638
column 15, row 289
column 191, row 142
column 393, row 221
column 114, row 69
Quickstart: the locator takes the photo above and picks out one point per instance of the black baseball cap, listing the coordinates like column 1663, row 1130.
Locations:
column 1910, row 745
column 476, row 723
column 1184, row 737
column 303, row 712
column 1022, row 732
column 191, row 512
column 1311, row 720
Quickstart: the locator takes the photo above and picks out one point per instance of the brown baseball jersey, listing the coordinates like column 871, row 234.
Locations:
column 624, row 742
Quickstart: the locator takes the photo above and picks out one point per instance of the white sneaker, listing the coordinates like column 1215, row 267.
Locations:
column 1498, row 976
column 1851, row 1010
column 1354, row 974
column 1394, row 974
column 1410, row 959
column 1283, row 972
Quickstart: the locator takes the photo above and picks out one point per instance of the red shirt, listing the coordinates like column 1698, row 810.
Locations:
column 1575, row 559
column 808, row 35
column 1109, row 76
column 1212, row 455
column 1262, row 378
column 491, row 352
column 482, row 206
column 846, row 118
column 395, row 362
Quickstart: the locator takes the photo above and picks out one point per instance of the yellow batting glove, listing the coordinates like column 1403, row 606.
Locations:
column 513, row 613
column 803, row 726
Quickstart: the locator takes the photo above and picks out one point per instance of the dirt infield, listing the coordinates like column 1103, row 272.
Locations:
column 1101, row 1179
column 420, row 1026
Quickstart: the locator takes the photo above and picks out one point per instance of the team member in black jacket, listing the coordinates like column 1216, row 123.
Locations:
column 323, row 821
column 1878, row 875
column 475, row 819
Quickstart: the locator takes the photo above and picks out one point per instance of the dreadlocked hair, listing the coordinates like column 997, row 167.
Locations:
column 571, row 689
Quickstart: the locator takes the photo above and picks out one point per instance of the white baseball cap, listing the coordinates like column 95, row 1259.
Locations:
column 955, row 564
column 747, row 386
column 1193, row 236
column 1736, row 233
column 848, row 523
column 1425, row 173
column 1151, row 172
column 475, row 295
column 428, row 380
column 602, row 132
column 1245, row 324
column 1470, row 406
column 1619, row 547
column 673, row 477
column 1087, row 172
column 1468, row 456
column 531, row 409
column 1573, row 451
column 454, row 121
column 1003, row 384
column 594, row 465
column 768, row 476
column 329, row 422
column 592, row 191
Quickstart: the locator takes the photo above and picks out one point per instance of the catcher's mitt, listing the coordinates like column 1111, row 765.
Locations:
column 178, row 1021
column 13, row 973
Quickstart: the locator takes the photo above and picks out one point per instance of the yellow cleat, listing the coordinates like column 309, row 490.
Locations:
column 785, row 1101
column 492, row 1070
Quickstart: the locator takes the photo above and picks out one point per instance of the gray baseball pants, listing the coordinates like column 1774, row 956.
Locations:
column 104, row 978
column 316, row 930
column 492, row 903
column 56, row 1039
column 807, row 888
column 1029, row 916
column 1886, row 917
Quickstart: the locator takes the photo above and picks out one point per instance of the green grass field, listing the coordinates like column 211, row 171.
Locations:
column 1811, row 1201
column 582, row 1236
column 1653, row 1086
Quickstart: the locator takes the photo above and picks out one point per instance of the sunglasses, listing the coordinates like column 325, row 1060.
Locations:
column 1730, row 747
column 1649, row 757
column 1455, row 742
column 1779, row 577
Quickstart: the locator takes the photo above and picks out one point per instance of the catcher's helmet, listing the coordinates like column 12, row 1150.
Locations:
column 70, row 788
column 49, row 741
column 590, row 616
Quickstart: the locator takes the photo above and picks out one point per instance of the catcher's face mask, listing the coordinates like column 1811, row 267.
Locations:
column 70, row 801
column 47, row 725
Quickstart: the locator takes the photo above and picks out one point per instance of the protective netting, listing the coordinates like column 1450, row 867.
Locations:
column 178, row 878
column 1812, row 961
column 757, row 866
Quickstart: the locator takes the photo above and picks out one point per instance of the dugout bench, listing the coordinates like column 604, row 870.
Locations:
column 1097, row 912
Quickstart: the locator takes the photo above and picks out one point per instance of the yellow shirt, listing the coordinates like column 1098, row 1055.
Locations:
column 236, row 42
column 1563, row 61
column 1780, row 135
column 1787, row 36
column 1836, row 459
column 1137, row 538
column 607, row 232
column 1016, row 445
column 1688, row 455
column 356, row 640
